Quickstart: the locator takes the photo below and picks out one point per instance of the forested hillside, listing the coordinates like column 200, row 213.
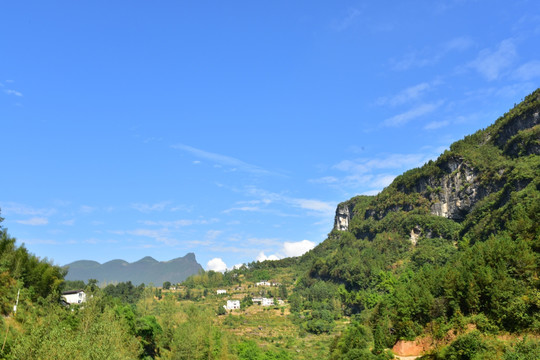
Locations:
column 449, row 246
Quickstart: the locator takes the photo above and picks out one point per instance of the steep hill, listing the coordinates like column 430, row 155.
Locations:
column 451, row 243
column 147, row 270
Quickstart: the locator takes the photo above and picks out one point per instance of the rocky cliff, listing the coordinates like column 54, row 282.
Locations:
column 479, row 165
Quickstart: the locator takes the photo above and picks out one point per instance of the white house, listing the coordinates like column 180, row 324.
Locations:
column 267, row 302
column 74, row 296
column 232, row 305
column 263, row 283
column 263, row 301
column 221, row 292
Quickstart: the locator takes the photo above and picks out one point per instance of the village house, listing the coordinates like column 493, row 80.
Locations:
column 221, row 292
column 263, row 283
column 74, row 296
column 263, row 301
column 232, row 305
column 267, row 302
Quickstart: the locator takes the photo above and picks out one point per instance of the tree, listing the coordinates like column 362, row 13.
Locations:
column 166, row 285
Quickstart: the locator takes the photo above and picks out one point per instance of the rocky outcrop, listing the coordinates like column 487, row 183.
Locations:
column 343, row 216
column 524, row 121
column 453, row 195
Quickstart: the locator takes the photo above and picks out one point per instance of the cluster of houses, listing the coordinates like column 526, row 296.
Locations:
column 235, row 304
column 267, row 283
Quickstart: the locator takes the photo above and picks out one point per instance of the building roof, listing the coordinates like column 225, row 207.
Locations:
column 72, row 292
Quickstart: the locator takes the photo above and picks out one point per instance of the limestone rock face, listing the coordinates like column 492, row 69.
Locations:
column 343, row 217
column 453, row 195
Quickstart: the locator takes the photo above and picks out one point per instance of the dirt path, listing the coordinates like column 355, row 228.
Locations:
column 406, row 357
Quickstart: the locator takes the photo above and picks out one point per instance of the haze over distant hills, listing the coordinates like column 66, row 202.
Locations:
column 147, row 270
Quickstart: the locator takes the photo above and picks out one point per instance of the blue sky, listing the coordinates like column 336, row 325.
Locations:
column 233, row 129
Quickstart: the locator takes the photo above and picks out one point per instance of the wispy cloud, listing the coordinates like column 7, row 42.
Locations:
column 223, row 160
column 491, row 63
column 179, row 223
column 348, row 20
column 160, row 235
column 405, row 117
column 434, row 125
column 87, row 209
column 406, row 95
column 323, row 207
column 35, row 221
column 147, row 208
column 429, row 57
column 213, row 234
column 20, row 209
column 370, row 175
column 325, row 180
column 243, row 208
column 13, row 92
column 314, row 207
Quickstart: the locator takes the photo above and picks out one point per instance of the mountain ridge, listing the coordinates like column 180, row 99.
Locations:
column 145, row 270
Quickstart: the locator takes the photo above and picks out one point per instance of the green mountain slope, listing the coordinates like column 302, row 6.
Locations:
column 147, row 270
column 456, row 240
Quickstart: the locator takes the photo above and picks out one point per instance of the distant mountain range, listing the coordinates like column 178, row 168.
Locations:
column 147, row 270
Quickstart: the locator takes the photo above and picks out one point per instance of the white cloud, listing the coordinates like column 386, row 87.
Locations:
column 20, row 209
column 325, row 180
column 316, row 207
column 371, row 175
column 436, row 125
column 13, row 92
column 70, row 222
column 390, row 161
column 35, row 221
column 490, row 63
column 213, row 234
column 429, row 57
column 216, row 264
column 297, row 248
column 414, row 113
column 159, row 235
column 406, row 95
column 146, row 208
column 242, row 208
column 87, row 209
column 262, row 257
column 322, row 207
column 178, row 223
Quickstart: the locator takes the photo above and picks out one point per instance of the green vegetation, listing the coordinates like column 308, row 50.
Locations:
column 404, row 272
